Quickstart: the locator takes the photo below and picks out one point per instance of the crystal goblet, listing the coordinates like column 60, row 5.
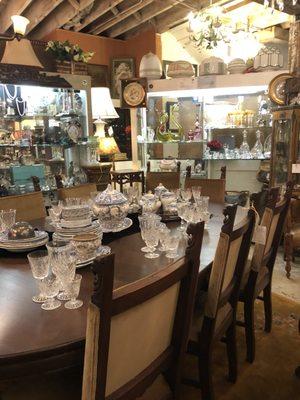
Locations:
column 74, row 289
column 172, row 246
column 39, row 264
column 50, row 286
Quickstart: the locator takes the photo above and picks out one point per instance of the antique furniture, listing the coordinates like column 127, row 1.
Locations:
column 80, row 191
column 285, row 145
column 125, row 354
column 98, row 174
column 258, row 273
column 170, row 179
column 214, row 188
column 216, row 318
column 29, row 206
column 259, row 201
column 40, row 346
column 292, row 234
column 124, row 177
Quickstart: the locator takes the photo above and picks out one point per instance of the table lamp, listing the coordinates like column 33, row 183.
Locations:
column 108, row 147
column 102, row 109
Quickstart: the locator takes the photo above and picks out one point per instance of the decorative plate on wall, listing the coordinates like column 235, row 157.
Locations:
column 277, row 88
column 134, row 92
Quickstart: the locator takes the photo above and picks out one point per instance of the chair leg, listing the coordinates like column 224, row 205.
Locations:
column 268, row 308
column 205, row 375
column 249, row 329
column 231, row 352
column 288, row 249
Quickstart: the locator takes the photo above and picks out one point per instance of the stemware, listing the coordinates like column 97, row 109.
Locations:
column 151, row 239
column 186, row 194
column 39, row 264
column 50, row 287
column 66, row 274
column 59, row 252
column 74, row 289
column 142, row 222
column 164, row 233
column 196, row 190
column 172, row 244
column 8, row 218
column 180, row 211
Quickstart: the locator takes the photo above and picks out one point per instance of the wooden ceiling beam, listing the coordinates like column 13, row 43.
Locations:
column 12, row 7
column 168, row 20
column 156, row 9
column 37, row 11
column 59, row 17
column 102, row 7
column 96, row 30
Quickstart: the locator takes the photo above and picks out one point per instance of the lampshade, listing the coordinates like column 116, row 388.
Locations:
column 107, row 146
column 20, row 53
column 20, row 24
column 102, row 106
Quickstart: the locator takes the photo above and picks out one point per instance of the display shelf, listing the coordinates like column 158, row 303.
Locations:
column 236, row 159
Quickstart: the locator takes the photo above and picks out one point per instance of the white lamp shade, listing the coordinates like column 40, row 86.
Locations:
column 102, row 106
column 20, row 24
column 20, row 53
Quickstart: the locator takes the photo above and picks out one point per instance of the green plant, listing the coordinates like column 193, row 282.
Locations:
column 66, row 51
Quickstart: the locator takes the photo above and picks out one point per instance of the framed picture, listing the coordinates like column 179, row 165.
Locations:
column 166, row 63
column 121, row 68
column 98, row 74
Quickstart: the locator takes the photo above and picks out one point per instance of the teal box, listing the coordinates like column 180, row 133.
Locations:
column 21, row 174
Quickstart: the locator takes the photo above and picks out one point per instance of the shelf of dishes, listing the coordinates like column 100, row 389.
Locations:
column 236, row 159
column 41, row 116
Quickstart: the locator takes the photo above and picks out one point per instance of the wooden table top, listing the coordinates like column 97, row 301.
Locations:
column 27, row 330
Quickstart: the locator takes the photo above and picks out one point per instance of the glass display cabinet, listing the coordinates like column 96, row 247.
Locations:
column 40, row 129
column 285, row 145
column 208, row 122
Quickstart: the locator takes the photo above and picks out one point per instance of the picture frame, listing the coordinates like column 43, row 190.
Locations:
column 99, row 75
column 166, row 63
column 121, row 68
column 134, row 93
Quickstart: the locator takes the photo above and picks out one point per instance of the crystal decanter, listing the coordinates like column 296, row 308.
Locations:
column 244, row 148
column 257, row 150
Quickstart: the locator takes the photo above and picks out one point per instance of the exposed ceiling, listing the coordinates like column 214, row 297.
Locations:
column 112, row 18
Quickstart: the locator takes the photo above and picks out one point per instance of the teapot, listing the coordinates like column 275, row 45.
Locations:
column 150, row 202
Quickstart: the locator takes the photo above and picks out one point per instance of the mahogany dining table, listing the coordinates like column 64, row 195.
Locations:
column 33, row 340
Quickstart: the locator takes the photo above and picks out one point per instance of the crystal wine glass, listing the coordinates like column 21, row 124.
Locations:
column 151, row 239
column 66, row 274
column 180, row 211
column 196, row 190
column 186, row 194
column 74, row 289
column 50, row 286
column 172, row 246
column 39, row 264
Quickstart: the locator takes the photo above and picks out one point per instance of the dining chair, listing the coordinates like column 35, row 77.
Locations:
column 259, row 200
column 292, row 234
column 214, row 188
column 137, row 334
column 29, row 206
column 79, row 191
column 170, row 179
column 216, row 318
column 257, row 277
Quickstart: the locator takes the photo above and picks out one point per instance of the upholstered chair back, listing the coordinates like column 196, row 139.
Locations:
column 228, row 265
column 80, row 191
column 29, row 206
column 138, row 331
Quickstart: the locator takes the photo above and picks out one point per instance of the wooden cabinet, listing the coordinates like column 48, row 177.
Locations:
column 285, row 145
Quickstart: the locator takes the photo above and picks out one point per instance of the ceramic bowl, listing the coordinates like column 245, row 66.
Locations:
column 86, row 245
column 75, row 212
column 21, row 230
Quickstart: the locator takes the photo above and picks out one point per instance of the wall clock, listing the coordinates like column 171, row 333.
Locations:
column 277, row 88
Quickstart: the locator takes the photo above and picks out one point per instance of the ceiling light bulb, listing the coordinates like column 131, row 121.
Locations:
column 19, row 24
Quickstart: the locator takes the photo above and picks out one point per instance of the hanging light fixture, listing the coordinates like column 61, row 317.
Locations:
column 280, row 4
column 19, row 25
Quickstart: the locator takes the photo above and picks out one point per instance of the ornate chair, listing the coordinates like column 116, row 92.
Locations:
column 259, row 201
column 258, row 273
column 171, row 180
column 80, row 191
column 214, row 188
column 137, row 334
column 217, row 316
column 29, row 206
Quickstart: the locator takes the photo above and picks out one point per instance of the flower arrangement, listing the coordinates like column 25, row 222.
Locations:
column 66, row 51
column 215, row 145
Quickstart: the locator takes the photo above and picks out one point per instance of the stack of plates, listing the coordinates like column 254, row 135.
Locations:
column 64, row 233
column 23, row 245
